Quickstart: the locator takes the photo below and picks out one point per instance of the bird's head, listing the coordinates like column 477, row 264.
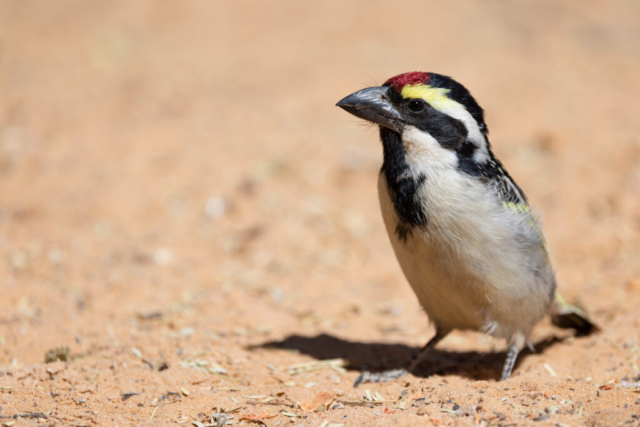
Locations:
column 429, row 102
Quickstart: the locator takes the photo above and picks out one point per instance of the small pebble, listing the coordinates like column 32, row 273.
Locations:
column 216, row 207
column 162, row 256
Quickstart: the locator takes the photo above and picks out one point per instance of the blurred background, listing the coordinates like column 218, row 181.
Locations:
column 185, row 160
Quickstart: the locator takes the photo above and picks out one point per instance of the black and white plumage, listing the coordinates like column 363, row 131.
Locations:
column 461, row 228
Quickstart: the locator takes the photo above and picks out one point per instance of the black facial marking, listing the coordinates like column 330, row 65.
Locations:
column 403, row 187
column 449, row 132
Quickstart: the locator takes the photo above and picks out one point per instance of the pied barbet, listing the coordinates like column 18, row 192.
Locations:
column 461, row 228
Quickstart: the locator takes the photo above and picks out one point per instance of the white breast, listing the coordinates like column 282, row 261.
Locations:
column 475, row 265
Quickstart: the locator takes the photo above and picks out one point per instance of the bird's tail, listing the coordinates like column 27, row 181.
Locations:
column 568, row 316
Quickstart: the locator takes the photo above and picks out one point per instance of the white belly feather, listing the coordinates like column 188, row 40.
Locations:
column 473, row 265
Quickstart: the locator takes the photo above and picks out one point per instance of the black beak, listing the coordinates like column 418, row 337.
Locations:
column 372, row 104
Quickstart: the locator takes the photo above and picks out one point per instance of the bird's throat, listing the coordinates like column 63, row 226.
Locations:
column 402, row 183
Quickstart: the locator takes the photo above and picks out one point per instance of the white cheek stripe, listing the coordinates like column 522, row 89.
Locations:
column 423, row 150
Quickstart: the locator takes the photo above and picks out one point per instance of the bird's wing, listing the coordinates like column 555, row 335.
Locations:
column 514, row 200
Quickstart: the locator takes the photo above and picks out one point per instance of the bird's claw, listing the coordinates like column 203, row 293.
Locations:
column 380, row 377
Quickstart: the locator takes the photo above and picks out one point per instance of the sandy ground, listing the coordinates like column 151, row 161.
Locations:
column 185, row 210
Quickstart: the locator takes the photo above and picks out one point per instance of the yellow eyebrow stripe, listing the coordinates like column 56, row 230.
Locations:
column 435, row 96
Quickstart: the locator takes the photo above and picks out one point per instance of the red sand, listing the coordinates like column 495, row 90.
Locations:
column 178, row 188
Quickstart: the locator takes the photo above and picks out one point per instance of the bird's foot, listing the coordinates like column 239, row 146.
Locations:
column 380, row 377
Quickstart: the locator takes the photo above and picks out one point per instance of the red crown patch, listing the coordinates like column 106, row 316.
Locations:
column 401, row 80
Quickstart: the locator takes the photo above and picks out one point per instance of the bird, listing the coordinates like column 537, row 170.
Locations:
column 462, row 230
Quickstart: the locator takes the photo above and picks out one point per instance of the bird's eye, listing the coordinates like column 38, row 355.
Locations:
column 416, row 106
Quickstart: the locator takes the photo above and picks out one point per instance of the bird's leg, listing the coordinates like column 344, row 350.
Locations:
column 420, row 355
column 512, row 355
column 394, row 374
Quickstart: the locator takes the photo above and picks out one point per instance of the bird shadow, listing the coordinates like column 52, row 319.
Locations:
column 376, row 357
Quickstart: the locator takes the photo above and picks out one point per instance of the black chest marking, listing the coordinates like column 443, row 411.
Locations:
column 403, row 187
